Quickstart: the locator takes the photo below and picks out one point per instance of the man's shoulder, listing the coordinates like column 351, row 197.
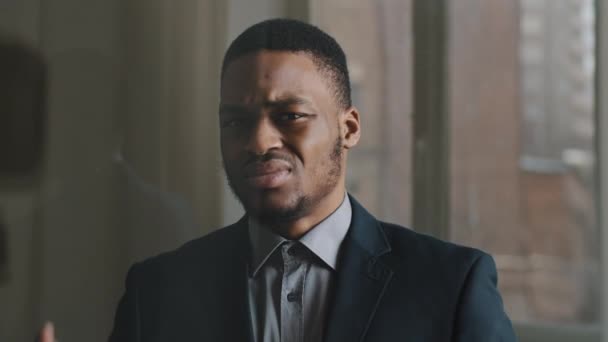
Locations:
column 216, row 240
column 413, row 250
column 411, row 247
column 211, row 249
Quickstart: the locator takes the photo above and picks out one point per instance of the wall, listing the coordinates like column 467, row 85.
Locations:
column 132, row 161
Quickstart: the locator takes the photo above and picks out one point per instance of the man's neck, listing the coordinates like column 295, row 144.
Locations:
column 297, row 228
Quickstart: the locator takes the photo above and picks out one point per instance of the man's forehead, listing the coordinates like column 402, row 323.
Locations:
column 272, row 76
column 264, row 66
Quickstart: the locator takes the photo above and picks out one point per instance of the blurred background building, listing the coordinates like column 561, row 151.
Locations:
column 522, row 147
column 131, row 164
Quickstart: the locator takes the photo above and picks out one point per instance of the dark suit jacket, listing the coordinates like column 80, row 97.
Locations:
column 392, row 285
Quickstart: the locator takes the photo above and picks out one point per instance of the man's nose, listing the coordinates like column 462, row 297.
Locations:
column 263, row 137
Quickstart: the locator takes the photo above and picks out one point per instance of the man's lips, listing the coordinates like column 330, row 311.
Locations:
column 268, row 174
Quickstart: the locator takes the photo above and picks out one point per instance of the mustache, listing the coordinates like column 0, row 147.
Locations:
column 266, row 157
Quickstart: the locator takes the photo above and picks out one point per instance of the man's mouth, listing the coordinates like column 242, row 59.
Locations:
column 267, row 175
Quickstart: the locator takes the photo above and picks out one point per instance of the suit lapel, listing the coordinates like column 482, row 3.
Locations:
column 232, row 295
column 361, row 278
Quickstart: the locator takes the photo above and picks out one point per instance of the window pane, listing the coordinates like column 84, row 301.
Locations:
column 377, row 39
column 521, row 87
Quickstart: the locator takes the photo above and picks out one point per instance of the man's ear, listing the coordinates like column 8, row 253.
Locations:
column 350, row 127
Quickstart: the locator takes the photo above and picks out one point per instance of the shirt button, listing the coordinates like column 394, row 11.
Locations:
column 292, row 296
column 291, row 251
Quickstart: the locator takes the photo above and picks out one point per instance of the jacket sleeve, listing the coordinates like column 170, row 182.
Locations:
column 127, row 319
column 480, row 315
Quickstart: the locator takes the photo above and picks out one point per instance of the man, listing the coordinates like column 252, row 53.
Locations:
column 307, row 262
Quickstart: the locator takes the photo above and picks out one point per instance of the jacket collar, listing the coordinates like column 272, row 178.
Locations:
column 362, row 278
column 365, row 231
column 324, row 240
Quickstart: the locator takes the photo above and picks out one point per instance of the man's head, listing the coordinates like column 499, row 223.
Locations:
column 296, row 37
column 286, row 120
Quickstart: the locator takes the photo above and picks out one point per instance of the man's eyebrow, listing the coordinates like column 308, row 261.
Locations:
column 281, row 102
column 287, row 101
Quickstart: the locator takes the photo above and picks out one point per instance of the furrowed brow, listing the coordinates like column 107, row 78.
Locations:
column 287, row 101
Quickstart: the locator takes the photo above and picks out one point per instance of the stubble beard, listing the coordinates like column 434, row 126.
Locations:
column 303, row 204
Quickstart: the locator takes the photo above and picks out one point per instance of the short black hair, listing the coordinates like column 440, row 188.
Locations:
column 296, row 36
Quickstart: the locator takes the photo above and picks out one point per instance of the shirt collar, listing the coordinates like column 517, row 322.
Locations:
column 323, row 240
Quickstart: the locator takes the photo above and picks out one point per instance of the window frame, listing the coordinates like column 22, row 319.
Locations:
column 601, row 100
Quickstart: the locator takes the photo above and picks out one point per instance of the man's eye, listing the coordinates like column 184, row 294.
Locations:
column 290, row 116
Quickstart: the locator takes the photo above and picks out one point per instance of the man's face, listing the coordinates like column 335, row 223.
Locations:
column 280, row 134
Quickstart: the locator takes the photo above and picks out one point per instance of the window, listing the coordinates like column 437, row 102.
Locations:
column 522, row 179
column 519, row 149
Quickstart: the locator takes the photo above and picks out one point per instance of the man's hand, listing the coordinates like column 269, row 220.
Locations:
column 47, row 333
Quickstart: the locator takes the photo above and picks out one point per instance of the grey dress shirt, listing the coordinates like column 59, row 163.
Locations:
column 290, row 280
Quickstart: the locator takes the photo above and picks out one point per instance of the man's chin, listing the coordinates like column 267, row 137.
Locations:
column 276, row 209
